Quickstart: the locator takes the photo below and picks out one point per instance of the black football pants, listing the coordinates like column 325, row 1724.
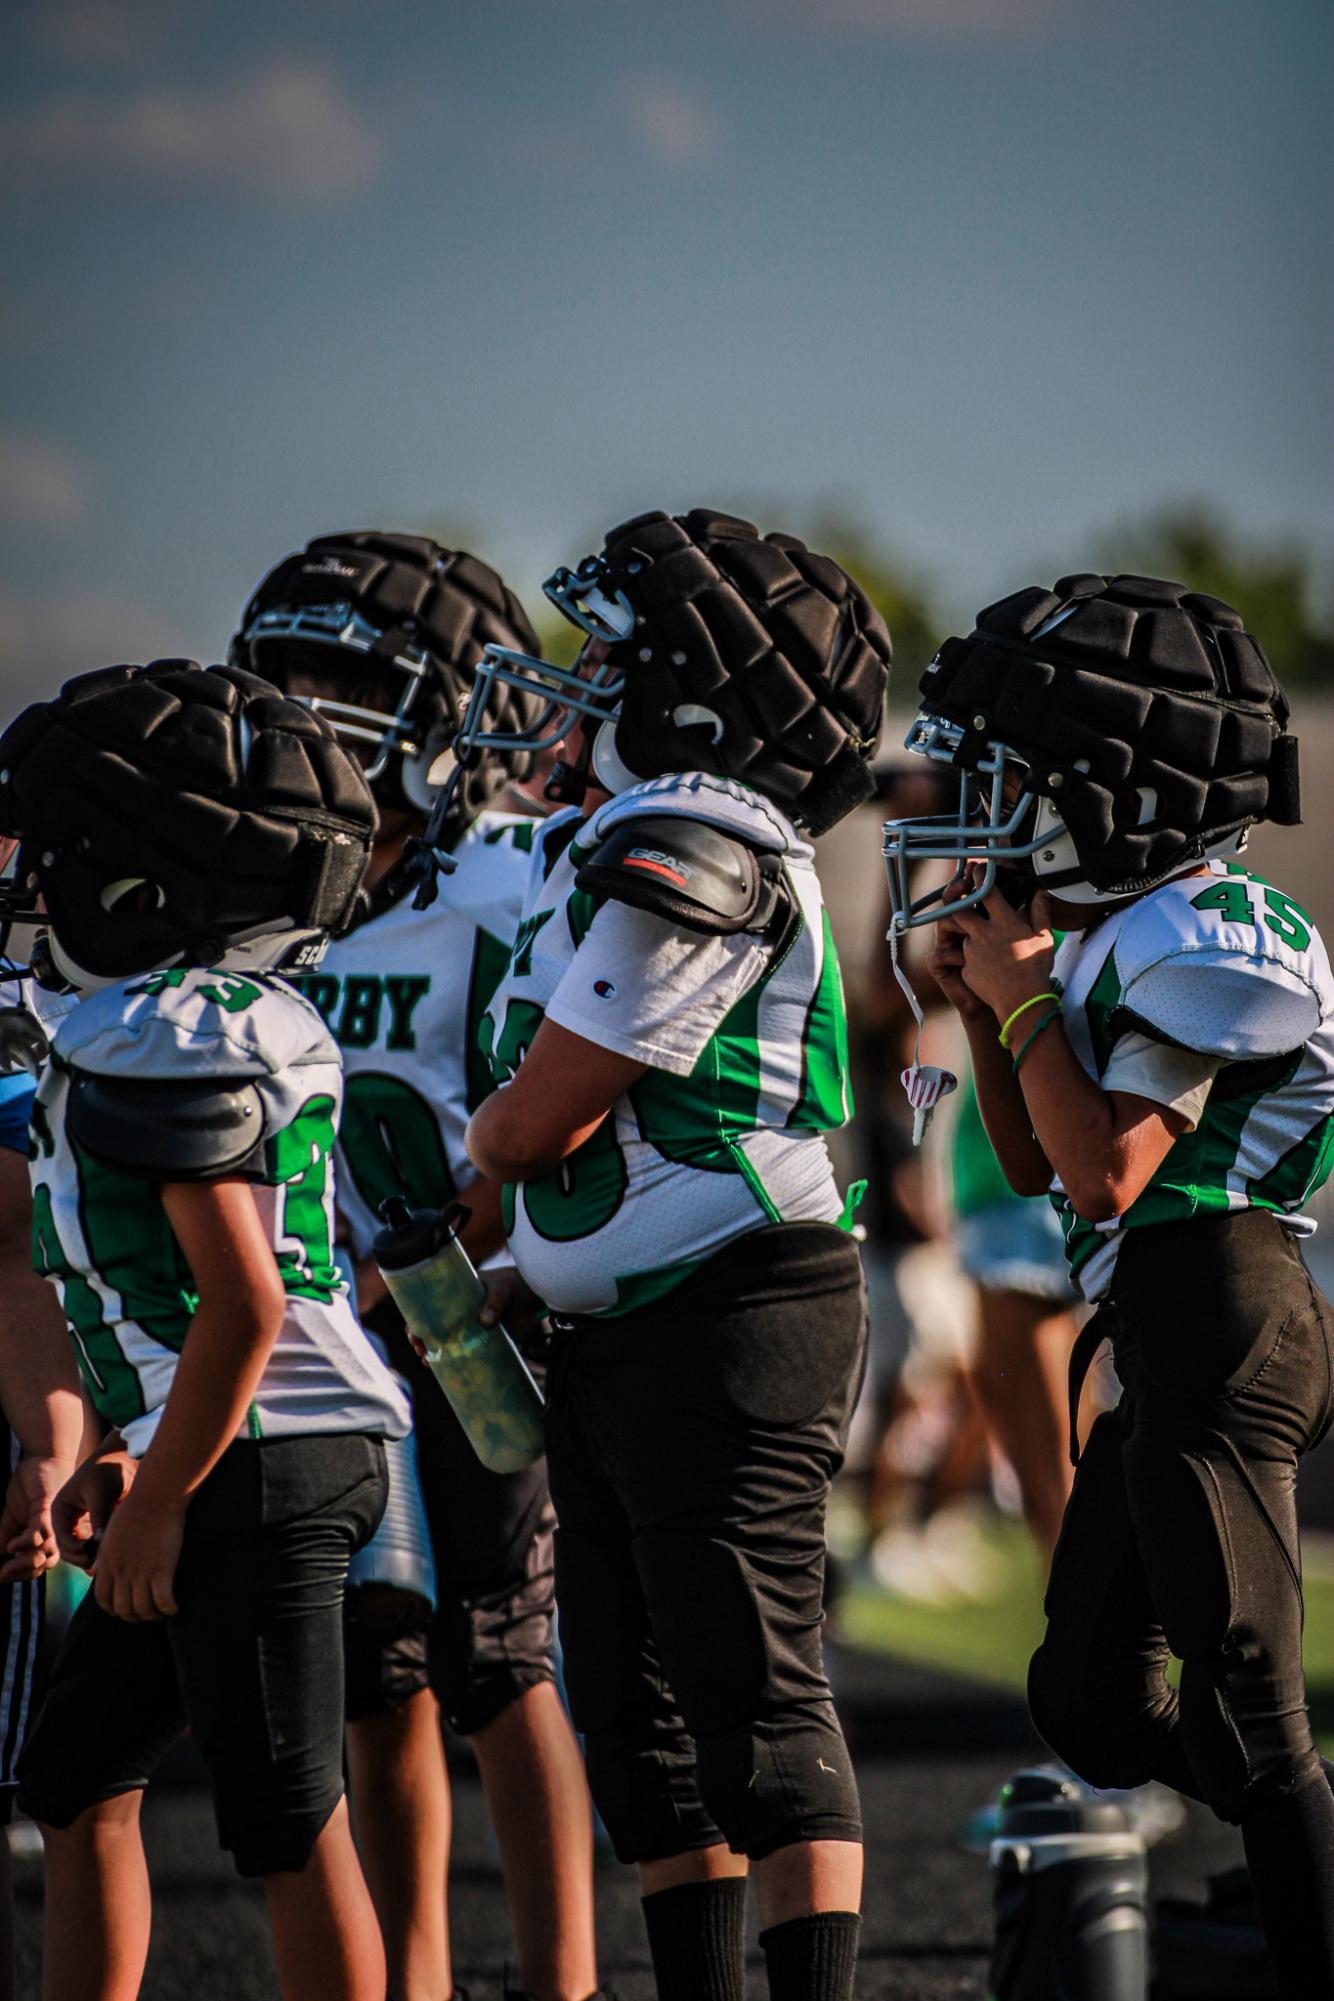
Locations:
column 690, row 1447
column 1181, row 1538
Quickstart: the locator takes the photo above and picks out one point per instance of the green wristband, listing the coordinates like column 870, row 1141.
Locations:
column 1027, row 1044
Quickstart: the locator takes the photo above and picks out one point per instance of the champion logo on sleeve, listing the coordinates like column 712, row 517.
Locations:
column 605, row 989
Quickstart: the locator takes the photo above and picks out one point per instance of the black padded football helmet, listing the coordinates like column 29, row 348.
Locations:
column 742, row 656
column 395, row 625
column 1107, row 733
column 181, row 815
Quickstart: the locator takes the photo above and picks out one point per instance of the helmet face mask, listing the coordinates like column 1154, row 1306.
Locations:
column 564, row 694
column 596, row 607
column 290, row 643
column 987, row 829
column 380, row 634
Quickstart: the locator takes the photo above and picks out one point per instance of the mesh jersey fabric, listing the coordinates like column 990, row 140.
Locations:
column 403, row 996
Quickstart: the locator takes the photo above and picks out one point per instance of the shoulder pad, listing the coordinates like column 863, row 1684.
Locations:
column 176, row 1130
column 1221, row 1004
column 712, row 802
column 179, row 1024
column 695, row 875
column 1207, row 982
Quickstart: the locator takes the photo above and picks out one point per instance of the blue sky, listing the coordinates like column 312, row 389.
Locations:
column 992, row 274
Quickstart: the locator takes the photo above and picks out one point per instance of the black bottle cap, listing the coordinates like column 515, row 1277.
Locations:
column 410, row 1236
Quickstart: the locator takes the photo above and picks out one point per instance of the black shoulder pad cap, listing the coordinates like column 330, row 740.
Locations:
column 180, row 1130
column 693, row 874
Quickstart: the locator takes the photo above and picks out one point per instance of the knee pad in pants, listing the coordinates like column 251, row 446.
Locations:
column 1234, row 1617
column 1106, row 1741
column 745, row 1666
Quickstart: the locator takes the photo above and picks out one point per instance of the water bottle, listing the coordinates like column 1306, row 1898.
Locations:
column 1071, row 1883
column 399, row 1556
column 435, row 1287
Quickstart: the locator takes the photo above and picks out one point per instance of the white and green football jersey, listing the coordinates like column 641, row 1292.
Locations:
column 1213, row 994
column 404, row 995
column 746, row 1047
column 102, row 1234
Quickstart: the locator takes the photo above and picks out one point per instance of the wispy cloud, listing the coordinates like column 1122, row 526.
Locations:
column 42, row 485
column 289, row 129
column 669, row 120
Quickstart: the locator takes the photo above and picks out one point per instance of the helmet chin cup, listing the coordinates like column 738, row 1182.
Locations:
column 422, row 775
column 58, row 971
column 608, row 767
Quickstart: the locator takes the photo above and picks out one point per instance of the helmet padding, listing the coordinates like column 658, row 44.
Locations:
column 171, row 814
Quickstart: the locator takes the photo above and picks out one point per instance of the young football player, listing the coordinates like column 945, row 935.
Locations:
column 380, row 634
column 1169, row 1074
column 191, row 835
column 671, row 1040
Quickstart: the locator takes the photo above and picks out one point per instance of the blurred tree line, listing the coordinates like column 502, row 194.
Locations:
column 1280, row 589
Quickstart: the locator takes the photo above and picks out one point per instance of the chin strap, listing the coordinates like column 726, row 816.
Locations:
column 570, row 778
column 424, row 858
column 924, row 1083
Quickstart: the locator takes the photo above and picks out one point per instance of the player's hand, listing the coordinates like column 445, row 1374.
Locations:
column 1005, row 961
column 946, row 960
column 136, row 1563
column 27, row 1537
column 85, row 1504
column 371, row 1288
column 510, row 1300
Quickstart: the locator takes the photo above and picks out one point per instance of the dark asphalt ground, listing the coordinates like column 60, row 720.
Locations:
column 929, row 1748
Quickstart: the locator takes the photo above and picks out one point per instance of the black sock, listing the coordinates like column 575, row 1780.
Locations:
column 1290, row 1854
column 812, row 1959
column 697, row 1936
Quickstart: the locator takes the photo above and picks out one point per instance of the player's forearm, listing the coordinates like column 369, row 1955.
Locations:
column 484, row 1233
column 1077, row 1126
column 1005, row 1114
column 514, row 1136
column 224, row 1357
